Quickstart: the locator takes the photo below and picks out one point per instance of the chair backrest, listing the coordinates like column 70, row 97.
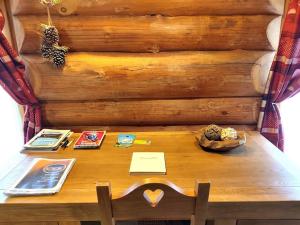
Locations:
column 153, row 200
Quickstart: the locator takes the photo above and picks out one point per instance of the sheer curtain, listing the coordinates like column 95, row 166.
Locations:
column 11, row 134
column 290, row 111
column 12, row 71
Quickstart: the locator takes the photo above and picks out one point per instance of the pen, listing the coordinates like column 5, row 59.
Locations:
column 65, row 144
column 70, row 142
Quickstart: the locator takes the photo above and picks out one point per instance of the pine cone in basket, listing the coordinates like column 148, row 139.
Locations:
column 213, row 132
column 228, row 134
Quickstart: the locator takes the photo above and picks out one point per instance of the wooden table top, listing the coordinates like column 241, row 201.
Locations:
column 256, row 173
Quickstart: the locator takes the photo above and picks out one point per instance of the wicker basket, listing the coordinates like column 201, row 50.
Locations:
column 220, row 145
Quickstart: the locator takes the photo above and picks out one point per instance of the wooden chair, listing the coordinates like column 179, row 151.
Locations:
column 153, row 200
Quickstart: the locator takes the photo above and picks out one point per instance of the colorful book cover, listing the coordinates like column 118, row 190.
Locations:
column 90, row 139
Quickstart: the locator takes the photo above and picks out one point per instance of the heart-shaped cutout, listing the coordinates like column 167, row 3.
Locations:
column 153, row 197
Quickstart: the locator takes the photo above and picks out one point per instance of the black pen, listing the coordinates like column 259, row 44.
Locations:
column 65, row 144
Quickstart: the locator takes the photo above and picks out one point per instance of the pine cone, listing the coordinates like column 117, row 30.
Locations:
column 46, row 51
column 59, row 59
column 228, row 134
column 213, row 132
column 50, row 34
column 60, row 49
column 59, row 53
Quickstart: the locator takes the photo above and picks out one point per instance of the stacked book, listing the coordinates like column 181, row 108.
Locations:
column 47, row 140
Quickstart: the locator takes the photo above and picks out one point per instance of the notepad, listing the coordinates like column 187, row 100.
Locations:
column 148, row 163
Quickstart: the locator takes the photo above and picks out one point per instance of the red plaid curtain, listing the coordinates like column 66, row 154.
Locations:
column 12, row 72
column 284, row 78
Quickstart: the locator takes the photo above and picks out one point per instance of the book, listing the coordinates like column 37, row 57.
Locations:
column 44, row 176
column 47, row 140
column 148, row 163
column 89, row 139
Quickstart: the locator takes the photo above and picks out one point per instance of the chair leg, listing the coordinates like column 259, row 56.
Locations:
column 69, row 223
column 225, row 222
column 199, row 222
column 192, row 220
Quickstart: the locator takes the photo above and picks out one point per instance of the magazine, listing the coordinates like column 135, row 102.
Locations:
column 44, row 176
column 90, row 139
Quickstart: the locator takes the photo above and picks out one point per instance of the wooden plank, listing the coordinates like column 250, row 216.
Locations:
column 192, row 128
column 90, row 212
column 150, row 7
column 153, row 33
column 250, row 210
column 153, row 112
column 31, row 223
column 269, row 222
column 164, row 75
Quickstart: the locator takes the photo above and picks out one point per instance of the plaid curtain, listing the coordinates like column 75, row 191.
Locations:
column 284, row 77
column 12, row 79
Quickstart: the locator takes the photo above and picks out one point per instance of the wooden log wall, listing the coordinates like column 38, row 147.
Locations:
column 151, row 62
column 151, row 33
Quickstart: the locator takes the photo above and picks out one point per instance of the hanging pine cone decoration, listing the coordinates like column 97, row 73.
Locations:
column 213, row 132
column 46, row 51
column 50, row 48
column 58, row 55
column 50, row 34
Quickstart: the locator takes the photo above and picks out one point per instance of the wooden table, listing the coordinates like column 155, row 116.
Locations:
column 254, row 181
